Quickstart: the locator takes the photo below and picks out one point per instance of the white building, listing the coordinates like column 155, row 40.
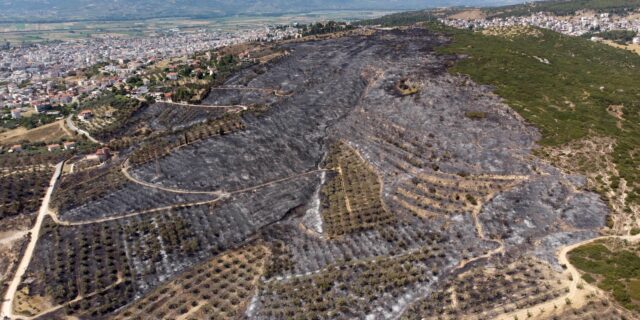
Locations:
column 16, row 113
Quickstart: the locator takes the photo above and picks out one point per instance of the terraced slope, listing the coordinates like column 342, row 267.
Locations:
column 360, row 193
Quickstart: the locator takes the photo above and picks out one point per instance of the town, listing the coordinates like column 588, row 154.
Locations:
column 46, row 74
column 579, row 24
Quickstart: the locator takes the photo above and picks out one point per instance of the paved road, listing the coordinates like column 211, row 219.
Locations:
column 79, row 131
column 7, row 303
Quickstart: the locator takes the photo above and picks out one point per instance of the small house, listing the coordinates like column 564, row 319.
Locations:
column 42, row 107
column 53, row 147
column 15, row 148
column 69, row 145
column 101, row 155
column 16, row 113
column 85, row 115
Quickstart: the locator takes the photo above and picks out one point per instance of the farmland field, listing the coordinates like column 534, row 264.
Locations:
column 17, row 33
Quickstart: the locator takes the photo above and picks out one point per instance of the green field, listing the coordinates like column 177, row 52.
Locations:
column 614, row 270
column 16, row 33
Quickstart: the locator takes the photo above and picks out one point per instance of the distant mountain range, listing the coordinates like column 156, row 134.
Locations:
column 71, row 10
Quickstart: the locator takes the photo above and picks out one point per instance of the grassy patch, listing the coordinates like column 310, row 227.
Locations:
column 617, row 271
column 475, row 115
column 566, row 98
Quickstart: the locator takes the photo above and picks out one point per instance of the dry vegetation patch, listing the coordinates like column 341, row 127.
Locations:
column 51, row 132
column 484, row 293
column 617, row 111
column 351, row 197
column 513, row 32
column 631, row 47
column 30, row 305
column 11, row 244
column 350, row 289
column 218, row 289
column 433, row 193
column 472, row 14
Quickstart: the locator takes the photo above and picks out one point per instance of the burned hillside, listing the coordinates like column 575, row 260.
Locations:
column 363, row 197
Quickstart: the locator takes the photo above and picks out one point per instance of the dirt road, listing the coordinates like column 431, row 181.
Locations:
column 219, row 195
column 577, row 296
column 7, row 303
column 73, row 127
column 125, row 172
column 183, row 104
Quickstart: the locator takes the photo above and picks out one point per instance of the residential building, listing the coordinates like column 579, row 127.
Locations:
column 15, row 148
column 85, row 115
column 42, row 107
column 69, row 145
column 53, row 147
column 16, row 113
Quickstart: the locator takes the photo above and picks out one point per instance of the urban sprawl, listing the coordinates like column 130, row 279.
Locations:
column 575, row 25
column 40, row 76
column 44, row 75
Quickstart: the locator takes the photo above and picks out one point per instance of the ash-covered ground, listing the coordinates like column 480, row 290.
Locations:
column 454, row 164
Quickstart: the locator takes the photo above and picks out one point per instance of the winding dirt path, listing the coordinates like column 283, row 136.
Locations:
column 220, row 195
column 71, row 125
column 78, row 298
column 57, row 220
column 243, row 89
column 7, row 303
column 125, row 172
column 206, row 106
column 275, row 92
column 577, row 296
